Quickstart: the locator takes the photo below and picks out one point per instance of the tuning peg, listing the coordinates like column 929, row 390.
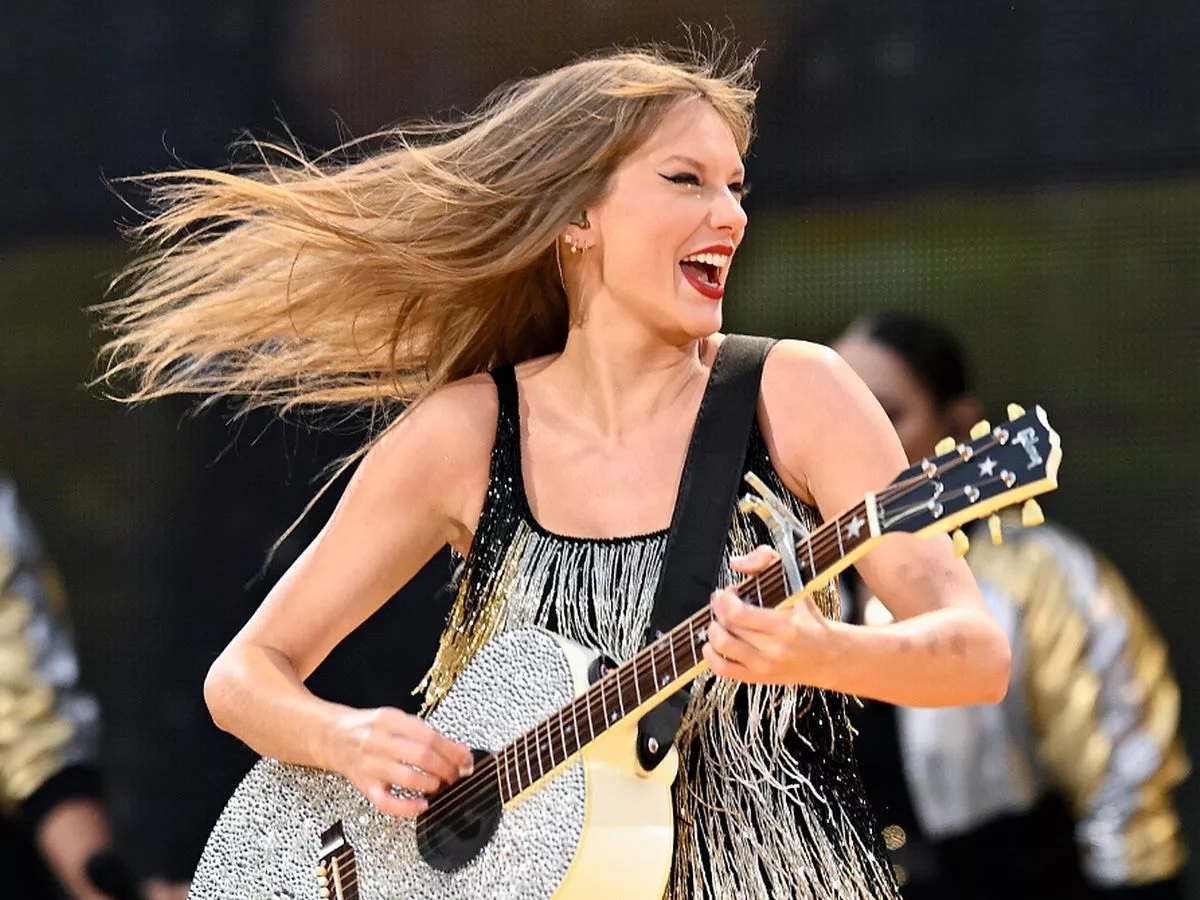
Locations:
column 995, row 529
column 1015, row 411
column 980, row 428
column 1031, row 514
column 944, row 446
column 960, row 542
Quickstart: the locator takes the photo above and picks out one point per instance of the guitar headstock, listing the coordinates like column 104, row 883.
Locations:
column 997, row 468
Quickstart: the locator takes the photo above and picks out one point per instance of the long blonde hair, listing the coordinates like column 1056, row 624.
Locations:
column 316, row 282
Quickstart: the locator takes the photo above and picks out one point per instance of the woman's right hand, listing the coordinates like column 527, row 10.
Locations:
column 378, row 748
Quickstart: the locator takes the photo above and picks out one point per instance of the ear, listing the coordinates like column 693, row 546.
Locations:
column 962, row 413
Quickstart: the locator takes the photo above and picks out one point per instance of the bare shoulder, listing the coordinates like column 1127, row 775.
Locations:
column 437, row 453
column 831, row 442
column 805, row 372
column 827, row 434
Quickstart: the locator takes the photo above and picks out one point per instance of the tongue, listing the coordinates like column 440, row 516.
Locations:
column 704, row 273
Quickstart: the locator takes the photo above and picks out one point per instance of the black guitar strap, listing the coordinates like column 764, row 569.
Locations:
column 708, row 492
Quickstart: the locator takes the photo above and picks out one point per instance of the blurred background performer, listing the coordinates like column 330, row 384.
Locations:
column 55, row 836
column 1066, row 789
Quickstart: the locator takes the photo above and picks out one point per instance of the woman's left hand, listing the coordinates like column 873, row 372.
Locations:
column 767, row 646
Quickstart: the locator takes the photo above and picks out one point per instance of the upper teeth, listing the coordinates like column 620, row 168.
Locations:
column 720, row 260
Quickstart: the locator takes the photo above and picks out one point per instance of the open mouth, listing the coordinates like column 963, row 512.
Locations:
column 706, row 271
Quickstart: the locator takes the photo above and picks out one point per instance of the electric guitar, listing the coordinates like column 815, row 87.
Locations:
column 558, row 804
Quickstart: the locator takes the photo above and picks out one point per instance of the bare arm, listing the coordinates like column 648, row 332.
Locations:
column 831, row 442
column 409, row 497
column 68, row 836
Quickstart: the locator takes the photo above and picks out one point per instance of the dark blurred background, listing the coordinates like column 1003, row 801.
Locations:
column 1027, row 172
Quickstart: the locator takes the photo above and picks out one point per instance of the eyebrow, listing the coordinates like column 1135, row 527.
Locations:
column 739, row 172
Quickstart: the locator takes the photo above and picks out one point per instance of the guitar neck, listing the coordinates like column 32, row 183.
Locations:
column 673, row 659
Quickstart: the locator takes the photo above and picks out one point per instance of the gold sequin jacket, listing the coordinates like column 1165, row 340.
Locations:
column 1092, row 713
column 46, row 723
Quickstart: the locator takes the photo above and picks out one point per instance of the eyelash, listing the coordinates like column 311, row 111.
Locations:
column 738, row 188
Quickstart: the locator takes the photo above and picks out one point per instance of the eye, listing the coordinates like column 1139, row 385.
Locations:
column 684, row 178
column 740, row 189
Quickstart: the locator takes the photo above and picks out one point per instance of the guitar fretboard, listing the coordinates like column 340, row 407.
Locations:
column 663, row 667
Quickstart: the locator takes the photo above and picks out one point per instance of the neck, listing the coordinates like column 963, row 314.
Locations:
column 620, row 378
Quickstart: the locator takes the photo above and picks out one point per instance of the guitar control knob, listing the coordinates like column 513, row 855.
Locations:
column 1015, row 411
column 980, row 429
column 1031, row 514
column 944, row 446
column 995, row 529
column 960, row 542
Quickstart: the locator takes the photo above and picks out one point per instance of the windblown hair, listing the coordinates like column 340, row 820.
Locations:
column 369, row 282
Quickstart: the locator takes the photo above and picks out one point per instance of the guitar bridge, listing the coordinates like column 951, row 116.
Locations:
column 337, row 868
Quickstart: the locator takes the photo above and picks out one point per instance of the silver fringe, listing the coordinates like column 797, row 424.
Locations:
column 759, row 823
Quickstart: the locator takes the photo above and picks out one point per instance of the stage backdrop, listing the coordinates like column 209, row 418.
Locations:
column 1027, row 173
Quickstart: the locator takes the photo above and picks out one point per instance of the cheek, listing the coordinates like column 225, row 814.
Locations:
column 642, row 257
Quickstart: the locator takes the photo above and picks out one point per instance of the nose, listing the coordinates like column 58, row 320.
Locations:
column 727, row 214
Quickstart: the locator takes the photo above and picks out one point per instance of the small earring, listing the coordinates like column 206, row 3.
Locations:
column 575, row 246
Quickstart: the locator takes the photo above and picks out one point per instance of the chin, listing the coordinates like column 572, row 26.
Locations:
column 703, row 325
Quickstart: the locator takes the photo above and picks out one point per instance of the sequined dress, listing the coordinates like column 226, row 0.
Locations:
column 768, row 800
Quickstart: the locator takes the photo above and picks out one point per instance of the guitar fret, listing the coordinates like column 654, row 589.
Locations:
column 537, row 746
column 837, row 526
column 575, row 723
column 562, row 731
column 604, row 701
column 499, row 778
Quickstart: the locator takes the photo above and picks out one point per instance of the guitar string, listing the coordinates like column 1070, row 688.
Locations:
column 450, row 803
column 771, row 585
column 772, row 579
column 351, row 879
column 664, row 647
